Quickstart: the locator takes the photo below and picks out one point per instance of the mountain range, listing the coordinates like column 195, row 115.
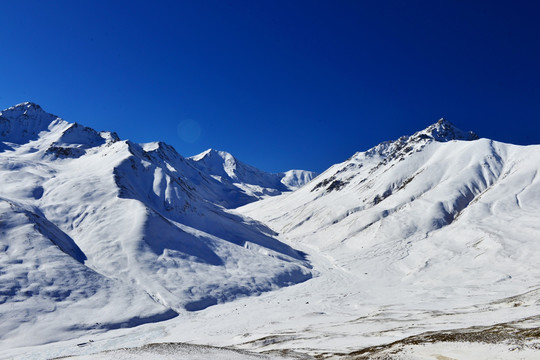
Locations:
column 431, row 232
column 87, row 217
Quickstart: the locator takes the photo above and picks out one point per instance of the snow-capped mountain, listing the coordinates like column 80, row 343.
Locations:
column 437, row 230
column 368, row 178
column 252, row 183
column 87, row 218
column 425, row 240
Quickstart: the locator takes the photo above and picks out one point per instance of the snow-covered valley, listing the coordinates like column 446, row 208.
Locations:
column 415, row 249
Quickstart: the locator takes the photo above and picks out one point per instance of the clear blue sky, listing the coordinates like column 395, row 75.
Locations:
column 279, row 84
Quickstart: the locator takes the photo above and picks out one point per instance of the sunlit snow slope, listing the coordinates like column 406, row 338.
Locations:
column 103, row 233
column 430, row 210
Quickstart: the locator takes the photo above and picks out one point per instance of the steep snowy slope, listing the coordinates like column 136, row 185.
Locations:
column 413, row 209
column 120, row 221
column 251, row 183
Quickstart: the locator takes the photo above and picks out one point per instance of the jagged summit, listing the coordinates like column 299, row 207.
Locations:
column 441, row 131
column 389, row 153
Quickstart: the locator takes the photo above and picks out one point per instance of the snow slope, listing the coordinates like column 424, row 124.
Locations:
column 424, row 212
column 87, row 218
column 44, row 285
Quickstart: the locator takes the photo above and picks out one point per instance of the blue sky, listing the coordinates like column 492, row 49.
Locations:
column 279, row 84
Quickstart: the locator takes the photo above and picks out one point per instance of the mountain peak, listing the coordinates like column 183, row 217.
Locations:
column 219, row 163
column 24, row 121
column 251, row 182
column 26, row 108
column 443, row 131
column 208, row 152
column 28, row 104
column 212, row 153
column 444, row 121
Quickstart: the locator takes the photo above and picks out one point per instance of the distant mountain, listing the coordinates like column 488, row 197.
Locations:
column 252, row 183
column 86, row 218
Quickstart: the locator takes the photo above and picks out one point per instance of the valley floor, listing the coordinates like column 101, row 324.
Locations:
column 337, row 314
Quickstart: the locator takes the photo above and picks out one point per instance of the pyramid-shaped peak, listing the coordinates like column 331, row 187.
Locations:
column 443, row 130
column 443, row 124
column 212, row 153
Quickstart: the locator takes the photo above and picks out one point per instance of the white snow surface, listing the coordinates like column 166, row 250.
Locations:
column 108, row 245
